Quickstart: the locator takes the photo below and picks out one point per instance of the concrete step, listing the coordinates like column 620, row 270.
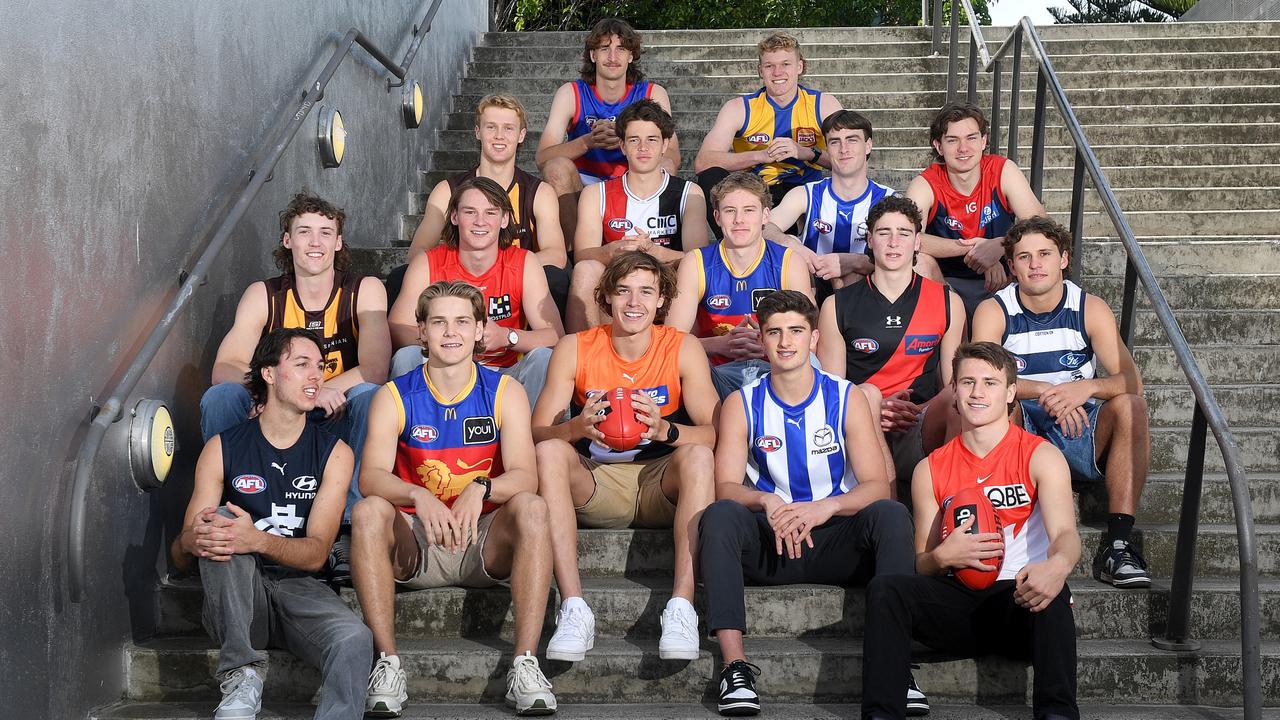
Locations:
column 1221, row 292
column 1223, row 254
column 1233, row 364
column 809, row 670
column 1243, row 405
column 645, row 711
column 1203, row 327
column 1162, row 499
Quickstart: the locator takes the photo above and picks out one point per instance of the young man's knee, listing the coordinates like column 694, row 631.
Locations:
column 372, row 515
column 563, row 175
column 721, row 518
column 528, row 510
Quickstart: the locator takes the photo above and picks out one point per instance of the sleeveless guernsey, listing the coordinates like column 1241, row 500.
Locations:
column 1005, row 477
column 588, row 108
column 275, row 486
column 728, row 297
column 1051, row 347
column 503, row 288
column 764, row 120
column 661, row 215
column 833, row 224
column 797, row 451
column 983, row 213
column 894, row 345
column 522, row 191
column 444, row 446
column 336, row 322
column 657, row 372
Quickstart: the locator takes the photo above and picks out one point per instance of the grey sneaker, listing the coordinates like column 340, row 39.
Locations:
column 241, row 695
column 528, row 690
column 340, row 559
column 1121, row 565
column 387, row 688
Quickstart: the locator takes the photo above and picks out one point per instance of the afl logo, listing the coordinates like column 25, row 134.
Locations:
column 249, row 484
column 955, row 224
column 620, row 224
column 822, row 227
column 758, row 138
column 1022, row 364
column 424, row 433
column 719, row 302
column 768, row 443
column 1072, row 360
column 866, row 345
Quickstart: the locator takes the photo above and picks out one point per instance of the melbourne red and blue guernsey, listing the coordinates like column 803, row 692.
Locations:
column 729, row 297
column 589, row 107
column 446, row 443
column 983, row 213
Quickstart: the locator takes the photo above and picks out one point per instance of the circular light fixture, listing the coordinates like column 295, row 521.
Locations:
column 412, row 104
column 332, row 136
column 151, row 444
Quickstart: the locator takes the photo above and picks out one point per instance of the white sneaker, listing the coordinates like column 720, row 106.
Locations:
column 387, row 688
column 575, row 634
column 679, row 639
column 241, row 695
column 528, row 690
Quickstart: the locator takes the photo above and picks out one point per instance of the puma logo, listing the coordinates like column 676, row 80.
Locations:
column 794, row 421
column 628, row 377
column 279, row 466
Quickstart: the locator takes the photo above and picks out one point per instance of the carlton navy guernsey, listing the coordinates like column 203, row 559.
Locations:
column 275, row 486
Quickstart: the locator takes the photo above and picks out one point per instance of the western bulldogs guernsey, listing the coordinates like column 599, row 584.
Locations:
column 763, row 120
column 1005, row 478
column 983, row 213
column 833, row 224
column 598, row 162
column 727, row 297
column 503, row 288
column 336, row 321
column 894, row 345
column 622, row 212
column 1052, row 347
column 797, row 451
column 276, row 487
column 444, row 445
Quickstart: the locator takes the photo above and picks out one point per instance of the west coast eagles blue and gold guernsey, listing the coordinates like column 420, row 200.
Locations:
column 589, row 107
column 765, row 120
column 728, row 296
column 446, row 443
column 797, row 451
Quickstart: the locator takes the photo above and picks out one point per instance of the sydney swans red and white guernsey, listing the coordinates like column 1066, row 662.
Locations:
column 1004, row 476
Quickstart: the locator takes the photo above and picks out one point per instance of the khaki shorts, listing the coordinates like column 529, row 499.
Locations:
column 627, row 494
column 438, row 567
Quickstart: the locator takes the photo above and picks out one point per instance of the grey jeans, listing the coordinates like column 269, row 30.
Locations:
column 248, row 607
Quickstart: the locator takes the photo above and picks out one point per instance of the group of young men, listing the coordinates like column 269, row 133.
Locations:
column 814, row 380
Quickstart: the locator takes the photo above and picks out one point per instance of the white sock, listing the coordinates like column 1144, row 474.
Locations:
column 574, row 602
column 676, row 602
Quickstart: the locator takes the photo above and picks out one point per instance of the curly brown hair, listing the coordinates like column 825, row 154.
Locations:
column 628, row 262
column 599, row 35
column 300, row 205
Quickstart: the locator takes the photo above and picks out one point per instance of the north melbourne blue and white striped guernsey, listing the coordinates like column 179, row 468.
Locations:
column 833, row 224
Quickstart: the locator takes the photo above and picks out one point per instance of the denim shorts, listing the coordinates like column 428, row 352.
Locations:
column 1079, row 451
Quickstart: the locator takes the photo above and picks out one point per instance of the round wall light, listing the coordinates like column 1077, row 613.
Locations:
column 332, row 136
column 151, row 444
column 412, row 104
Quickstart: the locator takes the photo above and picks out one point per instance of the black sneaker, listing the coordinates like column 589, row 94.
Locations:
column 340, row 558
column 1121, row 565
column 738, row 689
column 917, row 703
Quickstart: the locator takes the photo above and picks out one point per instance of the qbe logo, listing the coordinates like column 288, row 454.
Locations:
column 1007, row 496
column 424, row 433
column 768, row 443
column 866, row 345
column 249, row 484
column 719, row 302
column 758, row 138
column 620, row 224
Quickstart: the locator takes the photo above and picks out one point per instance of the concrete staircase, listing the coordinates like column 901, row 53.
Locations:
column 1186, row 120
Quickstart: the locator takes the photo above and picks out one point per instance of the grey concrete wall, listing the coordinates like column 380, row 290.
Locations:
column 1233, row 10
column 125, row 122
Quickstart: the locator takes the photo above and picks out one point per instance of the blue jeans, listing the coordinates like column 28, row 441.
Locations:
column 530, row 371
column 738, row 374
column 1080, row 452
column 226, row 405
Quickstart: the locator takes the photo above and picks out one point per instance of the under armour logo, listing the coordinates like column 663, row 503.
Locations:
column 279, row 466
column 893, row 321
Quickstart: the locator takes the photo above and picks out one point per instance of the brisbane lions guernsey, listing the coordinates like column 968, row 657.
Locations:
column 589, row 107
column 657, row 373
column 763, row 120
column 335, row 322
column 834, row 224
column 1004, row 476
column 275, row 486
column 624, row 213
column 1050, row 347
column 503, row 288
column 797, row 451
column 446, row 443
column 894, row 344
column 983, row 213
column 729, row 297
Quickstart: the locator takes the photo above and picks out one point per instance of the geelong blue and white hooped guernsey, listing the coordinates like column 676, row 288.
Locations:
column 797, row 451
column 833, row 224
column 1050, row 347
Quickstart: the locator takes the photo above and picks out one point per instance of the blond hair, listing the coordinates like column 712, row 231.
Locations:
column 779, row 41
column 507, row 102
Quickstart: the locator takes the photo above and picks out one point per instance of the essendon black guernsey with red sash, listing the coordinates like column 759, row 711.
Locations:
column 522, row 191
column 894, row 345
column 336, row 322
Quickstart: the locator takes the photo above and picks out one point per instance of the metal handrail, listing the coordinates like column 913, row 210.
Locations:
column 112, row 409
column 1208, row 415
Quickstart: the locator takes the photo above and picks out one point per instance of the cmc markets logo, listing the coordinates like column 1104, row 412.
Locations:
column 719, row 302
column 822, row 227
column 768, row 443
column 424, row 433
column 620, row 224
column 866, row 345
column 758, row 138
column 249, row 484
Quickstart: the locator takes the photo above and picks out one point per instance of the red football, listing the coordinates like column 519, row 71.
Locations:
column 621, row 428
column 971, row 502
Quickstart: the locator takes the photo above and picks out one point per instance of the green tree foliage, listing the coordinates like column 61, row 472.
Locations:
column 1120, row 11
column 672, row 14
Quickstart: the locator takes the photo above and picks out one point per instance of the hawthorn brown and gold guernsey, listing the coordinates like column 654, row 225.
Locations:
column 336, row 321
